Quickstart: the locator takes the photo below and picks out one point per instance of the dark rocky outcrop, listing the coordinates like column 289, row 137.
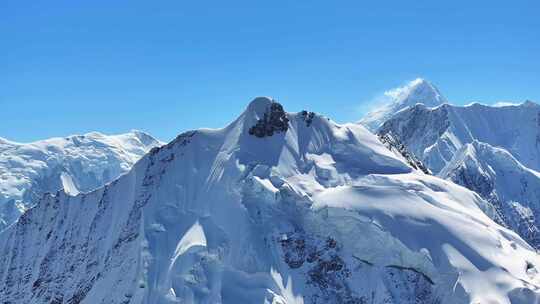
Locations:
column 274, row 121
column 308, row 117
column 394, row 145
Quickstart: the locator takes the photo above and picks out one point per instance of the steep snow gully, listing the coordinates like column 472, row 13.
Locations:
column 299, row 210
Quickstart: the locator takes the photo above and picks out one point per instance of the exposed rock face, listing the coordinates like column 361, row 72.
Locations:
column 330, row 275
column 308, row 117
column 396, row 146
column 420, row 127
column 274, row 121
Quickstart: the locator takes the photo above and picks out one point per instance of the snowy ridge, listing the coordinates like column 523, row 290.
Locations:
column 76, row 164
column 492, row 150
column 314, row 213
column 418, row 91
column 435, row 134
column 502, row 180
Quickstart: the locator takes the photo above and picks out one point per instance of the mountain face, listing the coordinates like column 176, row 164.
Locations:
column 494, row 151
column 435, row 134
column 416, row 91
column 502, row 180
column 277, row 207
column 401, row 151
column 76, row 164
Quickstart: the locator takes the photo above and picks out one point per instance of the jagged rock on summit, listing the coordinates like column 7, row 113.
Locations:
column 274, row 120
column 308, row 117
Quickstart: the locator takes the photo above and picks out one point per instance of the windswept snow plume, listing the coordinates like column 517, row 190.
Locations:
column 76, row 164
column 416, row 91
column 276, row 207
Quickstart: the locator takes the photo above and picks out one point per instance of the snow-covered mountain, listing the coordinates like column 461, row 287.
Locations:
column 416, row 91
column 493, row 150
column 435, row 134
column 502, row 180
column 76, row 164
column 274, row 208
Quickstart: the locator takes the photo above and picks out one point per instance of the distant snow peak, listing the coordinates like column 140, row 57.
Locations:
column 414, row 86
column 77, row 163
column 418, row 91
column 502, row 104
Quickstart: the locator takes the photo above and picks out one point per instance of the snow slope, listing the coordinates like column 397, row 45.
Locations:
column 502, row 180
column 75, row 163
column 416, row 91
column 493, row 150
column 274, row 208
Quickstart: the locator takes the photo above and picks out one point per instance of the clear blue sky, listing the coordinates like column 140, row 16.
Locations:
column 166, row 66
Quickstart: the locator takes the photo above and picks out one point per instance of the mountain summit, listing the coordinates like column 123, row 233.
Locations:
column 276, row 207
column 416, row 91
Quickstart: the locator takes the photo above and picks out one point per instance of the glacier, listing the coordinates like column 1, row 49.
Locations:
column 78, row 163
column 276, row 207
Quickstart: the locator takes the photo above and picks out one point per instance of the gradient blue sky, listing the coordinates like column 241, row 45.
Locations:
column 166, row 66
